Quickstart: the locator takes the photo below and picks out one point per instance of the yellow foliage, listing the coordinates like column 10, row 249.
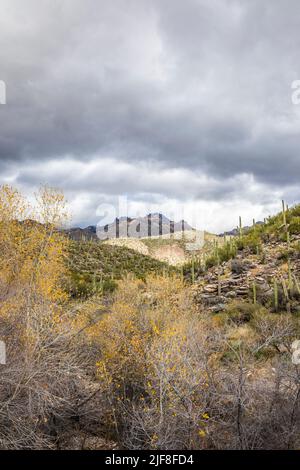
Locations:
column 148, row 350
column 32, row 266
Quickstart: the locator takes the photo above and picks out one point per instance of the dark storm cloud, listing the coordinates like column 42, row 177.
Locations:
column 204, row 86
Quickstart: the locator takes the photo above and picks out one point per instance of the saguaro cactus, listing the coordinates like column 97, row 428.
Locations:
column 94, row 284
column 286, row 294
column 193, row 270
column 283, row 213
column 240, row 227
column 275, row 289
column 290, row 283
column 233, row 248
column 219, row 277
column 182, row 274
column 216, row 247
column 288, row 239
column 204, row 262
column 254, row 293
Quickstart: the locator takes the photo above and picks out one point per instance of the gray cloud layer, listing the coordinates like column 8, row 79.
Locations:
column 198, row 87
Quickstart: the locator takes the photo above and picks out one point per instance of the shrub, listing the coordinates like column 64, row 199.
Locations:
column 241, row 312
column 173, row 377
column 237, row 266
column 294, row 225
column 146, row 346
column 284, row 255
column 40, row 384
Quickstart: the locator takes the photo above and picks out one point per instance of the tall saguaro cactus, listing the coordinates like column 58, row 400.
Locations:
column 240, row 227
column 288, row 242
column 283, row 213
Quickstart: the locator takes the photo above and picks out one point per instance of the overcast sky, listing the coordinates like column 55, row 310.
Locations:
column 181, row 104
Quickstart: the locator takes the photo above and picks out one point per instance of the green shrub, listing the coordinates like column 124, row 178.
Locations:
column 241, row 312
column 294, row 225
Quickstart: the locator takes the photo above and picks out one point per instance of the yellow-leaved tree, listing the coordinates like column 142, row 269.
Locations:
column 37, row 381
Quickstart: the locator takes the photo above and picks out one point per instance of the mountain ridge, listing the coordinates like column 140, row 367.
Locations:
column 151, row 225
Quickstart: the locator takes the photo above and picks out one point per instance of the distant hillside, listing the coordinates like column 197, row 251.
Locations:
column 174, row 250
column 235, row 231
column 84, row 234
column 96, row 266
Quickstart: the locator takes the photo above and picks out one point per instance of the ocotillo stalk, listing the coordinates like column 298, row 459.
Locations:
column 254, row 293
column 275, row 286
column 240, row 227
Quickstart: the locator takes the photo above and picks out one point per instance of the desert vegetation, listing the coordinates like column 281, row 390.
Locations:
column 107, row 348
column 96, row 267
column 177, row 377
column 41, row 381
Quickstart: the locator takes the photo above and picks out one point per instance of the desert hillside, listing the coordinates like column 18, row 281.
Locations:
column 111, row 348
column 172, row 249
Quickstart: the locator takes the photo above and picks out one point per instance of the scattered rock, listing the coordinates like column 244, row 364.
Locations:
column 238, row 276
